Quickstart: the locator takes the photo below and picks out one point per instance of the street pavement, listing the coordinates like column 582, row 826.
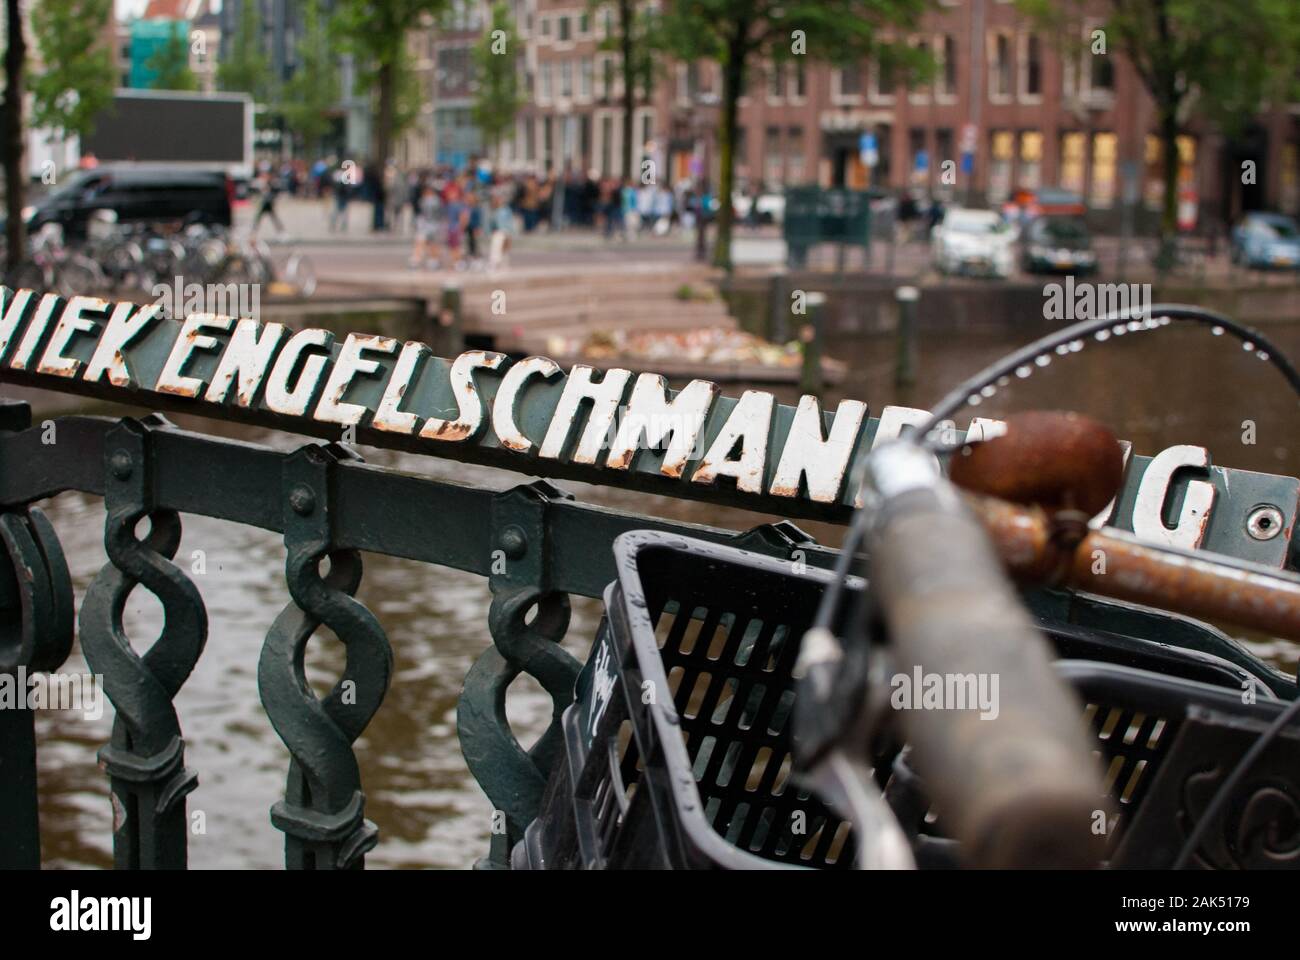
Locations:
column 306, row 226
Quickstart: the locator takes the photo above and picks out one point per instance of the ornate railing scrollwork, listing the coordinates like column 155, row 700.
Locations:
column 528, row 620
column 323, row 812
column 36, row 619
column 145, row 759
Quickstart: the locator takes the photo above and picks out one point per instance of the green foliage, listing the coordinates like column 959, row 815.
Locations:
column 245, row 68
column 497, row 97
column 374, row 32
column 170, row 63
column 77, row 77
column 1220, row 59
column 313, row 89
column 1227, row 57
column 739, row 34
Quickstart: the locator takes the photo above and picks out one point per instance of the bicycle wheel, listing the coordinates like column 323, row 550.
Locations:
column 28, row 276
column 78, row 275
column 301, row 272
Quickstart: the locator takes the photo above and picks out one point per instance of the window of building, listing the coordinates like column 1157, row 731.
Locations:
column 1032, row 77
column 740, row 150
column 546, row 26
column 1001, row 154
column 849, row 81
column 915, row 152
column 584, row 83
column 915, row 89
column 584, row 25
column 544, row 71
column 607, row 77
column 794, row 147
column 1101, row 73
column 1105, row 169
column 566, row 78
column 647, row 129
column 1000, row 67
column 773, row 168
column 1030, row 174
column 606, row 144
column 945, row 78
column 775, row 74
column 1074, row 161
column 943, row 153
column 796, row 80
column 884, row 78
column 562, row 34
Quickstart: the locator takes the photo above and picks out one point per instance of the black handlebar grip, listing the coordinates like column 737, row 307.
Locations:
column 1012, row 775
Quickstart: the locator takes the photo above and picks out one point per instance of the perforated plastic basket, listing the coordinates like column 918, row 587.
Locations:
column 678, row 743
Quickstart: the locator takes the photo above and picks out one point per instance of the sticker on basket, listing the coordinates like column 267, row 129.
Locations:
column 602, row 687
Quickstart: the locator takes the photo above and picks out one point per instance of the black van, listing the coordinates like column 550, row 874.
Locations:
column 136, row 194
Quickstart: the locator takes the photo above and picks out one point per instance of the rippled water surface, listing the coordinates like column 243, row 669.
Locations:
column 1156, row 389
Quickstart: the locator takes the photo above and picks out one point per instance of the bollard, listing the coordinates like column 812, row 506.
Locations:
column 446, row 321
column 810, row 376
column 905, row 359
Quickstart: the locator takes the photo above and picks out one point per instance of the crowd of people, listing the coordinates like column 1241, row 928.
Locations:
column 467, row 218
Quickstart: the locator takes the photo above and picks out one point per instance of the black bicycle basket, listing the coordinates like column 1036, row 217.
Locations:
column 677, row 747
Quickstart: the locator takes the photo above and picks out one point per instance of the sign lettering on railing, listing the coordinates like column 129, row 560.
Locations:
column 609, row 427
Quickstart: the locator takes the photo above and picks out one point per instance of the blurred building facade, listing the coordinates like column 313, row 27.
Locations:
column 1008, row 108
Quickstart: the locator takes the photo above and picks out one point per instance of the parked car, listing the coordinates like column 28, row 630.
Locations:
column 1046, row 202
column 134, row 194
column 1057, row 245
column 1266, row 240
column 975, row 242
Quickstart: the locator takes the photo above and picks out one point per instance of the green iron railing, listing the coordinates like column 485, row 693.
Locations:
column 535, row 545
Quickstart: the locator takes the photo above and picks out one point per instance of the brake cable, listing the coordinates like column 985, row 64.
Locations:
column 982, row 385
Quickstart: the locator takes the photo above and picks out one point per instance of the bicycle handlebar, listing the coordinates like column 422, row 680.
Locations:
column 1016, row 781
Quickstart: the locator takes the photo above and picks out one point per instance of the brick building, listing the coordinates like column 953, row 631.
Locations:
column 1008, row 107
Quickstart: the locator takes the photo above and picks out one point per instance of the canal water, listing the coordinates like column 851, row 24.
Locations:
column 1154, row 388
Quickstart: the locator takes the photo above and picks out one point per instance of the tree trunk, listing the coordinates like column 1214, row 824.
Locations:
column 1168, row 125
column 733, row 86
column 626, row 15
column 387, row 84
column 12, row 136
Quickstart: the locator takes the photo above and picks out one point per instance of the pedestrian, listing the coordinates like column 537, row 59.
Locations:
column 342, row 191
column 457, row 218
column 629, row 210
column 394, row 196
column 503, row 228
column 662, row 211
column 266, row 208
column 430, row 225
column 373, row 183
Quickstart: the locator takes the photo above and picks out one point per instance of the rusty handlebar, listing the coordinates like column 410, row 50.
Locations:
column 1034, row 489
column 1017, row 784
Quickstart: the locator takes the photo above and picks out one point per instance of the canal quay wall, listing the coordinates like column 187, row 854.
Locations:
column 866, row 304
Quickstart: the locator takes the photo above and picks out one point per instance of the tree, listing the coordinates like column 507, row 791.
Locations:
column 374, row 31
column 632, row 36
column 313, row 89
column 740, row 33
column 497, row 97
column 244, row 68
column 77, row 77
column 11, row 142
column 1222, row 59
column 170, row 63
